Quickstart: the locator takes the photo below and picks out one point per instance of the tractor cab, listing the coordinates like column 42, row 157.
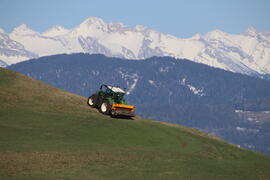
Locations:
column 114, row 94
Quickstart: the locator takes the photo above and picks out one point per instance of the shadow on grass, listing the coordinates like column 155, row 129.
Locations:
column 122, row 117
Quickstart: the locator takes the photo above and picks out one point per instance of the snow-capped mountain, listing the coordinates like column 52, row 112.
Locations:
column 247, row 53
column 12, row 51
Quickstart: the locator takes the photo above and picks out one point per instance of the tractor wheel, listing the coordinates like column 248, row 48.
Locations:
column 105, row 107
column 92, row 101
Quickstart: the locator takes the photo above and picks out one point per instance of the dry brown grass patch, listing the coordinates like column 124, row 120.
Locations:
column 14, row 163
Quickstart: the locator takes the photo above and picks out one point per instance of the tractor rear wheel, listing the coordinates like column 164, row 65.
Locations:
column 92, row 101
column 105, row 107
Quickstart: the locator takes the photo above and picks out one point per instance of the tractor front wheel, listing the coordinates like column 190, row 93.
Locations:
column 105, row 108
column 92, row 101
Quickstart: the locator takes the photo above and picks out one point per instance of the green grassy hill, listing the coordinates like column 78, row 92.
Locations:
column 46, row 133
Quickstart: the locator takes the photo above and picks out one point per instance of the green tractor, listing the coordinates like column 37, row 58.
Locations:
column 110, row 101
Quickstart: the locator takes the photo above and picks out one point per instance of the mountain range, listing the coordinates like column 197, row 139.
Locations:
column 247, row 53
column 233, row 106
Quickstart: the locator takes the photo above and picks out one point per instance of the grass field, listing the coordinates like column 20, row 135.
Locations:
column 46, row 133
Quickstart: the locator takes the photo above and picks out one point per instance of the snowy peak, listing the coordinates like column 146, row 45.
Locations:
column 23, row 30
column 251, row 31
column 90, row 21
column 261, row 36
column 215, row 34
column 91, row 27
column 55, row 31
column 95, row 26
column 196, row 37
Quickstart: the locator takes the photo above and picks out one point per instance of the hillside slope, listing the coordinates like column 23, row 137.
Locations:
column 166, row 89
column 46, row 133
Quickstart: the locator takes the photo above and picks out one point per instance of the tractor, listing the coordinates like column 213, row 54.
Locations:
column 110, row 101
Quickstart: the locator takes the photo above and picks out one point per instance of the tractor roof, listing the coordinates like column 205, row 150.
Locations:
column 116, row 89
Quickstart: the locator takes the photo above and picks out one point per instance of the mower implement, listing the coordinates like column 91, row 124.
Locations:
column 121, row 109
column 110, row 101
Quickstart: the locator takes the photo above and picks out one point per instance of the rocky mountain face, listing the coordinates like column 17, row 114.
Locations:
column 230, row 105
column 12, row 51
column 247, row 53
column 3, row 64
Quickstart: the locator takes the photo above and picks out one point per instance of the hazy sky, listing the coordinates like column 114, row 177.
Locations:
column 181, row 18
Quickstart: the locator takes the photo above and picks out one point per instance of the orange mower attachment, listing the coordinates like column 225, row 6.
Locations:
column 122, row 110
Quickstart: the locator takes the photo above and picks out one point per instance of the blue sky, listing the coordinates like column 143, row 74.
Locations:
column 176, row 17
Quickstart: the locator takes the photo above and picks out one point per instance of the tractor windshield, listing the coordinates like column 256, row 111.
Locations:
column 119, row 98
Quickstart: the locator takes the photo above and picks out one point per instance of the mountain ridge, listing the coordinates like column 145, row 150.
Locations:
column 247, row 53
